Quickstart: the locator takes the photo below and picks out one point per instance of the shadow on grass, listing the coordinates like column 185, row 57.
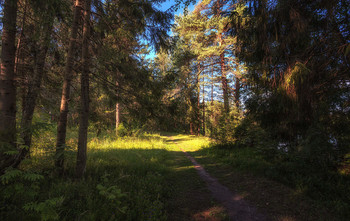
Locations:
column 250, row 176
column 177, row 140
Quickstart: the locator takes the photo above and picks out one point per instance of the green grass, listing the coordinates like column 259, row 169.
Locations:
column 285, row 189
column 131, row 178
column 148, row 178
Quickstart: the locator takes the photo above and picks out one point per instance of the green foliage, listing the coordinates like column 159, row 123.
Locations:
column 46, row 209
column 222, row 126
column 249, row 134
column 112, row 193
column 122, row 131
column 10, row 175
column 22, row 189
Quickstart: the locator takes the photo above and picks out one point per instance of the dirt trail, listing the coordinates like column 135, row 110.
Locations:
column 237, row 208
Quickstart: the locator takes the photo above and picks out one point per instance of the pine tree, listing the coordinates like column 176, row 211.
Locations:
column 84, row 97
column 7, row 85
column 68, row 75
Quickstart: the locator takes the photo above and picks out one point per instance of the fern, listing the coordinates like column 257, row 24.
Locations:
column 10, row 175
column 114, row 194
column 47, row 209
column 11, row 152
column 33, row 177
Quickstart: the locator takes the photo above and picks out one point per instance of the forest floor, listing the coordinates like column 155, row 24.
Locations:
column 146, row 178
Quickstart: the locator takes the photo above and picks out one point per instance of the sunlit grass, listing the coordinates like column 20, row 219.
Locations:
column 127, row 178
column 189, row 143
column 146, row 142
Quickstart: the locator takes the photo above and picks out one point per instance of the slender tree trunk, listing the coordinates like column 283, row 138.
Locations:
column 212, row 92
column 191, row 128
column 33, row 91
column 212, row 103
column 203, row 101
column 237, row 92
column 84, row 98
column 212, row 84
column 117, row 117
column 7, row 85
column 117, row 105
column 68, row 75
column 20, row 39
column 198, row 105
column 224, row 83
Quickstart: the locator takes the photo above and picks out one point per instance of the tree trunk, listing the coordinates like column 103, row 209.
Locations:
column 68, row 75
column 198, row 105
column 20, row 39
column 203, row 108
column 117, row 105
column 7, row 85
column 212, row 93
column 224, row 83
column 212, row 103
column 212, row 84
column 191, row 128
column 237, row 92
column 84, row 98
column 117, row 117
column 33, row 91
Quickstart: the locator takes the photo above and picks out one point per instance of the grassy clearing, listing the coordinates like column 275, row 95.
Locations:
column 132, row 178
column 148, row 178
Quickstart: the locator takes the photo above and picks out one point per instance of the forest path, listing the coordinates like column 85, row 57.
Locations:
column 237, row 208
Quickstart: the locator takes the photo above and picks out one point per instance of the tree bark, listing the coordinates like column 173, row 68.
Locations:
column 237, row 92
column 68, row 75
column 203, row 101
column 117, row 117
column 191, row 128
column 117, row 105
column 224, row 83
column 33, row 90
column 20, row 39
column 198, row 104
column 212, row 93
column 84, row 99
column 7, row 85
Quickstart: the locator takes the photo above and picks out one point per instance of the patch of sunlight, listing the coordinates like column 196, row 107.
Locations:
column 213, row 164
column 200, row 157
column 184, row 168
column 286, row 218
column 241, row 196
column 190, row 143
column 153, row 160
column 149, row 142
column 344, row 167
column 214, row 213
